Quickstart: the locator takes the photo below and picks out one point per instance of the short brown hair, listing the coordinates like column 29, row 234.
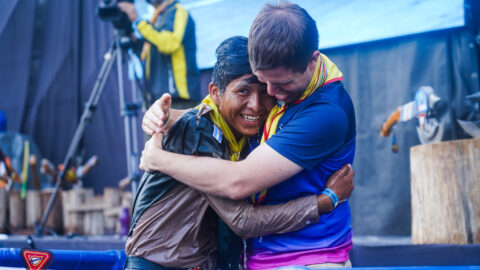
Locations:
column 282, row 35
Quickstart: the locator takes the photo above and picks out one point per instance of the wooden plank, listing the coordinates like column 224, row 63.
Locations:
column 33, row 207
column 445, row 183
column 74, row 219
column 112, row 197
column 17, row 211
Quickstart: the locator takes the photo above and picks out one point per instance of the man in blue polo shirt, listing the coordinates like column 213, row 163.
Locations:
column 307, row 136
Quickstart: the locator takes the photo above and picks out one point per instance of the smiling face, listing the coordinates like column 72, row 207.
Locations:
column 244, row 105
column 287, row 85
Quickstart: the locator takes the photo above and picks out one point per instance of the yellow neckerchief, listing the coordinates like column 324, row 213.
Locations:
column 146, row 45
column 325, row 72
column 235, row 147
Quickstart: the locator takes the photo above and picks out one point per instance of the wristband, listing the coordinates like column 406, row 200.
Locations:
column 332, row 196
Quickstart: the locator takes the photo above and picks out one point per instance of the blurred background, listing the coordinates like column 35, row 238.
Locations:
column 51, row 52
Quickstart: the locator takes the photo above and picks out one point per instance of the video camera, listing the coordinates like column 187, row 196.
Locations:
column 108, row 10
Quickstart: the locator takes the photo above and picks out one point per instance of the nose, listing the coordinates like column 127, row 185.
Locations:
column 254, row 102
column 271, row 89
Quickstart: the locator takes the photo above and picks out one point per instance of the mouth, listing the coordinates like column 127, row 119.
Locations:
column 281, row 96
column 251, row 117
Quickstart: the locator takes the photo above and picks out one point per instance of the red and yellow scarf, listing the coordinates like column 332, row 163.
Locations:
column 325, row 72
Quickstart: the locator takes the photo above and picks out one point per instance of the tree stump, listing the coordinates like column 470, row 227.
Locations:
column 112, row 199
column 73, row 220
column 17, row 211
column 445, row 188
column 93, row 222
column 33, row 207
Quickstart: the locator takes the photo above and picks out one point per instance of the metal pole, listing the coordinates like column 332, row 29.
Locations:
column 128, row 111
column 86, row 117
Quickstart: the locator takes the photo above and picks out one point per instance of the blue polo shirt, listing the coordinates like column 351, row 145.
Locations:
column 318, row 134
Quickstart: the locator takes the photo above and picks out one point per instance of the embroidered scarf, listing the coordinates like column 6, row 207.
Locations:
column 325, row 72
column 234, row 145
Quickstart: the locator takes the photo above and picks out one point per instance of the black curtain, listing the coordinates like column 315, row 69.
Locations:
column 51, row 53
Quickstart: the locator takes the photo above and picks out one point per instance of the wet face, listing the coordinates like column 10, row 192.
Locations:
column 244, row 105
column 286, row 85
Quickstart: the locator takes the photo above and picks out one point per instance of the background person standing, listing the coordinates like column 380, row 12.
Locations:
column 169, row 52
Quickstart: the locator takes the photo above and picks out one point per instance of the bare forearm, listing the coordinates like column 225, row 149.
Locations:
column 197, row 172
column 263, row 168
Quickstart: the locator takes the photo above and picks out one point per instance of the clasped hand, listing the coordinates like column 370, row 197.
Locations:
column 151, row 152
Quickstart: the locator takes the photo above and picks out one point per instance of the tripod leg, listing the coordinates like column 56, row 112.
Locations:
column 86, row 116
column 129, row 112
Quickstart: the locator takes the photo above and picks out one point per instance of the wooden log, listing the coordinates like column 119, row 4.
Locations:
column 445, row 188
column 93, row 218
column 112, row 198
column 55, row 218
column 17, row 211
column 33, row 207
column 74, row 219
column 3, row 210
column 94, row 222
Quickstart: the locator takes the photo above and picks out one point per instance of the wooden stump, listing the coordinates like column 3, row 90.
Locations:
column 17, row 211
column 93, row 222
column 55, row 219
column 445, row 188
column 73, row 220
column 3, row 210
column 112, row 198
column 33, row 207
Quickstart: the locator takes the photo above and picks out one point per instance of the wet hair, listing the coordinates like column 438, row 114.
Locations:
column 282, row 35
column 232, row 62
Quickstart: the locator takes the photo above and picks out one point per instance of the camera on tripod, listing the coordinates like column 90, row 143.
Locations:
column 108, row 10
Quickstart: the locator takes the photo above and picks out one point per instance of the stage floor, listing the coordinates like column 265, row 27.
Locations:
column 367, row 251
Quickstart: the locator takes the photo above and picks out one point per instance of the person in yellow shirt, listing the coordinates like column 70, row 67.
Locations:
column 169, row 52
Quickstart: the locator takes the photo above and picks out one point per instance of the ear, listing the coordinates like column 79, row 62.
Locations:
column 214, row 92
column 312, row 63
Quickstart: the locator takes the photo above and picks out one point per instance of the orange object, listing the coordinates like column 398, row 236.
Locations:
column 386, row 128
column 35, row 176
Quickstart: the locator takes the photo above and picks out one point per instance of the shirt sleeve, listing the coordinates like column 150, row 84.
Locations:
column 166, row 42
column 312, row 134
column 248, row 221
column 190, row 136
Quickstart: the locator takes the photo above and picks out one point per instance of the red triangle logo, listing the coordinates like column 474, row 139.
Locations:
column 35, row 259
